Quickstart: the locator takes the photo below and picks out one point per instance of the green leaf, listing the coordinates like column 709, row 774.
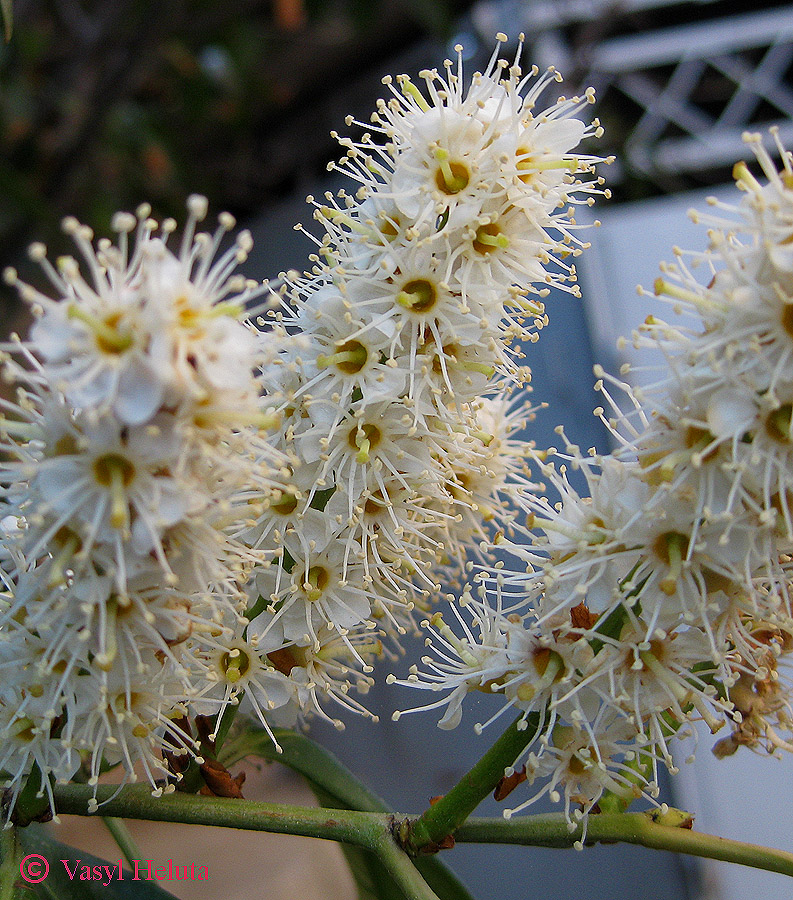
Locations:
column 320, row 499
column 7, row 7
column 308, row 759
column 609, row 626
column 256, row 608
column 58, row 886
column 287, row 561
column 335, row 786
column 32, row 802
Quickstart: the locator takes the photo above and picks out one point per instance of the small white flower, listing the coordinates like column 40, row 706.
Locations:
column 322, row 587
column 322, row 671
column 147, row 326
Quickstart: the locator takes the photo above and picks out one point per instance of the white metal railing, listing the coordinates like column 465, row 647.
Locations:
column 660, row 71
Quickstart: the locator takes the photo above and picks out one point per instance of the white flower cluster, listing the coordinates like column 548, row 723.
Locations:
column 424, row 283
column 127, row 465
column 196, row 508
column 660, row 596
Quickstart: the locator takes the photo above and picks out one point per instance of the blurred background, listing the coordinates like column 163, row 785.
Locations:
column 105, row 104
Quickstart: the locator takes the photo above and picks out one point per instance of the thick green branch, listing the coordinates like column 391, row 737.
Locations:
column 442, row 819
column 632, row 828
column 401, row 868
column 361, row 829
column 371, row 831
column 333, row 785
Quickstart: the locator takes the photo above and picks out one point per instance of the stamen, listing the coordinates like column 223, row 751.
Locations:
column 410, row 90
column 106, row 659
column 674, row 290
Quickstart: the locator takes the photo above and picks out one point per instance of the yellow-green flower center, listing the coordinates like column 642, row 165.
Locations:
column 418, row 295
column 234, row 665
column 778, row 424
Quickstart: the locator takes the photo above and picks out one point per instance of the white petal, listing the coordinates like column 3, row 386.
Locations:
column 140, row 392
column 730, row 413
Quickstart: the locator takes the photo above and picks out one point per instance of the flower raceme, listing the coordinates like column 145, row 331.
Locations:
column 424, row 285
column 214, row 490
column 661, row 595
column 129, row 456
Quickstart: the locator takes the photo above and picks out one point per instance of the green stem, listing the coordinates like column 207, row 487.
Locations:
column 123, row 838
column 456, row 806
column 400, row 867
column 136, row 802
column 9, row 867
column 638, row 771
column 333, row 784
column 551, row 830
column 370, row 831
column 373, row 831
